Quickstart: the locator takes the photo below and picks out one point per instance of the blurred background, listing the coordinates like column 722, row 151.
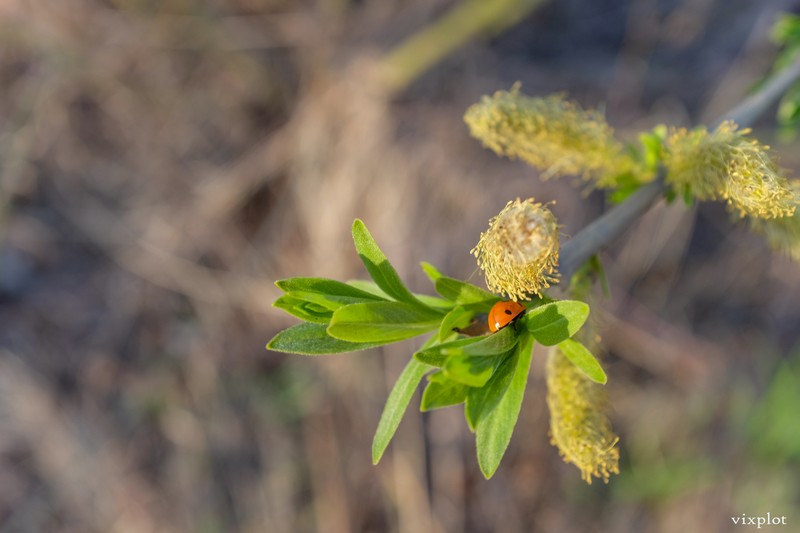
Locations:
column 162, row 163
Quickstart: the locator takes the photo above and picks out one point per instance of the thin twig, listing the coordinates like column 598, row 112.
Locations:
column 465, row 21
column 752, row 107
column 609, row 226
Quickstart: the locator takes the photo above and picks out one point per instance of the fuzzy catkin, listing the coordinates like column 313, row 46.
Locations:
column 579, row 427
column 782, row 234
column 519, row 252
column 553, row 135
column 728, row 165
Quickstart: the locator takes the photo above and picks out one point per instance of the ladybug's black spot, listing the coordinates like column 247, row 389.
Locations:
column 508, row 311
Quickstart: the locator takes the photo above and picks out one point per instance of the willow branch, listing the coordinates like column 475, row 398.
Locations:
column 608, row 227
column 752, row 107
column 464, row 22
column 612, row 224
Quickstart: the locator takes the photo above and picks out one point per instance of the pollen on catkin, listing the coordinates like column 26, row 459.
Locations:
column 519, row 252
column 551, row 134
column 782, row 234
column 579, row 427
column 728, row 165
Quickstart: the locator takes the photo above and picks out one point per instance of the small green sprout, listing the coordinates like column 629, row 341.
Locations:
column 487, row 373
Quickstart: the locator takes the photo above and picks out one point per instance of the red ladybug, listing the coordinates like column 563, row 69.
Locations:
column 503, row 313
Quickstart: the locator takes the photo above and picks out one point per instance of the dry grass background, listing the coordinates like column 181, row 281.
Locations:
column 164, row 162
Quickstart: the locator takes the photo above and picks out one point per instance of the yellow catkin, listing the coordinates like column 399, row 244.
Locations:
column 782, row 234
column 519, row 252
column 579, row 427
column 553, row 135
column 728, row 165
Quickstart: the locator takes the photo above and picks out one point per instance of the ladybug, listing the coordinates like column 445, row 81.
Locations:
column 503, row 313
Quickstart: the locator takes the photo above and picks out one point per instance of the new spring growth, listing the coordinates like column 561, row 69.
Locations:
column 553, row 135
column 519, row 252
column 727, row 165
column 560, row 138
column 579, row 427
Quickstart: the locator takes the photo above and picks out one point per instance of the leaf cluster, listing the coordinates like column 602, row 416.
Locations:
column 487, row 373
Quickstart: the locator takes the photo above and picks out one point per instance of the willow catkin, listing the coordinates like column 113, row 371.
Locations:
column 579, row 427
column 728, row 165
column 519, row 252
column 553, row 135
column 782, row 234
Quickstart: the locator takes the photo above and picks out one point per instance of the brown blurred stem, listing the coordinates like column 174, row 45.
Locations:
column 609, row 226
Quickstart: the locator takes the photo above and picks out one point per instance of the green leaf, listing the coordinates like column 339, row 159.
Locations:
column 555, row 322
column 382, row 322
column 442, row 392
column 688, row 196
column 587, row 276
column 433, row 355
column 312, row 339
column 438, row 377
column 582, row 358
column 379, row 267
column 372, row 288
column 310, row 312
column 458, row 317
column 625, row 185
column 464, row 293
column 369, row 286
column 494, row 431
column 789, row 110
column 396, row 405
column 325, row 286
column 653, row 146
column 315, row 299
column 786, row 30
column 472, row 370
column 494, row 344
column 434, row 301
column 431, row 271
column 600, row 270
column 481, row 401
column 330, row 302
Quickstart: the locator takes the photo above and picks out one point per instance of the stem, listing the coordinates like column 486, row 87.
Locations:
column 464, row 22
column 752, row 107
column 611, row 225
column 608, row 227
